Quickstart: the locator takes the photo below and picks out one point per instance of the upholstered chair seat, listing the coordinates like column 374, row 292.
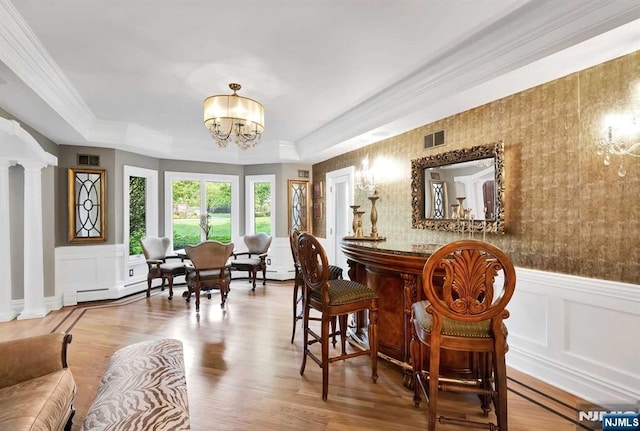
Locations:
column 453, row 328
column 345, row 292
column 208, row 275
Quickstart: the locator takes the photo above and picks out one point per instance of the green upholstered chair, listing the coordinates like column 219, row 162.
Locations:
column 333, row 298
column 254, row 258
column 210, row 270
column 467, row 285
column 156, row 252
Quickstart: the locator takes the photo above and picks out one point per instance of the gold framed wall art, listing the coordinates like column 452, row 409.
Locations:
column 86, row 204
column 299, row 202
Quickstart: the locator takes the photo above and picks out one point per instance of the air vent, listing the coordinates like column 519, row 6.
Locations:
column 434, row 140
column 303, row 174
column 88, row 160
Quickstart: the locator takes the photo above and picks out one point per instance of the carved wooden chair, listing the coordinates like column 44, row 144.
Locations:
column 211, row 269
column 256, row 255
column 333, row 298
column 156, row 252
column 467, row 284
column 335, row 273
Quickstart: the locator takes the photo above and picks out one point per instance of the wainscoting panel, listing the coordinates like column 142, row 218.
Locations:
column 590, row 325
column 529, row 307
column 91, row 273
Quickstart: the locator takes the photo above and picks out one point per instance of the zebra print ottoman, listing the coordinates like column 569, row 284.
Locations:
column 144, row 388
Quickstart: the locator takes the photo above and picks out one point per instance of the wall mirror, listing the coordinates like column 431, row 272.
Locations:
column 87, row 205
column 459, row 190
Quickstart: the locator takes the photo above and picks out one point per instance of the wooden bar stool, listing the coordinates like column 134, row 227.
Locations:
column 464, row 311
column 335, row 273
column 333, row 298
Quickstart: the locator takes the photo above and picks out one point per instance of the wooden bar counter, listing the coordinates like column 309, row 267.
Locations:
column 394, row 270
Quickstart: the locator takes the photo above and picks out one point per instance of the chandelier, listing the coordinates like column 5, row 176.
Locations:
column 620, row 138
column 233, row 118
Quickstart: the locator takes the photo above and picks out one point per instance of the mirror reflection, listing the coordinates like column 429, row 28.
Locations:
column 461, row 185
column 461, row 190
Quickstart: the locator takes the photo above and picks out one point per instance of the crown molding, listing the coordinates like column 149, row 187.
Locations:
column 23, row 53
column 530, row 33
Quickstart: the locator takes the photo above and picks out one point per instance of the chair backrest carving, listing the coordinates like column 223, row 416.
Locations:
column 314, row 264
column 155, row 248
column 469, row 270
column 258, row 243
column 209, row 254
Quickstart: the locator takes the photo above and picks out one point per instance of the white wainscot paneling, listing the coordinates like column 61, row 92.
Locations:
column 529, row 321
column 609, row 331
column 91, row 273
column 579, row 334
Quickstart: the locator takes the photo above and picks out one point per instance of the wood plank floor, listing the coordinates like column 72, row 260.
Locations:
column 243, row 373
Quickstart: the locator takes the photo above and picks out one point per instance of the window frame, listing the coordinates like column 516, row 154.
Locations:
column 151, row 204
column 170, row 176
column 249, row 208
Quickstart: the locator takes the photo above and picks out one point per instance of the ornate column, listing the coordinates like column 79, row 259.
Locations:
column 6, row 312
column 33, row 247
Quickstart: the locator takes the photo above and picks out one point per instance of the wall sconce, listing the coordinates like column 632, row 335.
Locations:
column 620, row 138
column 365, row 177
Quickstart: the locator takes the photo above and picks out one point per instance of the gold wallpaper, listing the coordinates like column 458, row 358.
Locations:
column 565, row 211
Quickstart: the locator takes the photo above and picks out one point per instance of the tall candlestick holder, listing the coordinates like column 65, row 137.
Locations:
column 374, row 215
column 354, row 224
column 358, row 232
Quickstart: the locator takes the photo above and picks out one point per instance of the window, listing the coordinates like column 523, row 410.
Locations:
column 200, row 207
column 260, row 198
column 140, row 207
column 137, row 213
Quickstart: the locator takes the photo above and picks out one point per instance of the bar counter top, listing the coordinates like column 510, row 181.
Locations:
column 392, row 246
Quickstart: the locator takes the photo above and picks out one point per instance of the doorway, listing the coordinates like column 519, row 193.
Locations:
column 339, row 196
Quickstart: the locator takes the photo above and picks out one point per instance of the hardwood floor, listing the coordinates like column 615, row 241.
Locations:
column 243, row 373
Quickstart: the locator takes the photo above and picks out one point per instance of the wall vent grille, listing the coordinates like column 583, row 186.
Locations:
column 434, row 140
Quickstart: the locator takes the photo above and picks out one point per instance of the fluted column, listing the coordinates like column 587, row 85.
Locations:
column 6, row 312
column 33, row 244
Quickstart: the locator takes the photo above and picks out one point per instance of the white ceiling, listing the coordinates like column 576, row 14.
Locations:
column 333, row 75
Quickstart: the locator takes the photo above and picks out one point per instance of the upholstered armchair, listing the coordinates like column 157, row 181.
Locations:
column 156, row 252
column 254, row 258
column 210, row 270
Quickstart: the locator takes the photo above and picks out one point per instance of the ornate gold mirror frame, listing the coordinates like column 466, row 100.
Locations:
column 420, row 189
column 86, row 202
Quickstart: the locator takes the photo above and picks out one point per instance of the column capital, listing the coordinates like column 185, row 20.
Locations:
column 30, row 166
column 6, row 163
